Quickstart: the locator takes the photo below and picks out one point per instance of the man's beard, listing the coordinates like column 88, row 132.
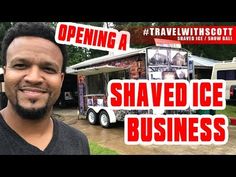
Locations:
column 30, row 114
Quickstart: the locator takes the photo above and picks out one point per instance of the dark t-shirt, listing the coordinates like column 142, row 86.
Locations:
column 66, row 140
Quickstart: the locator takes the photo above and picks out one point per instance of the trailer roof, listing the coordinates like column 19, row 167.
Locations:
column 105, row 58
column 96, row 70
column 202, row 61
column 198, row 61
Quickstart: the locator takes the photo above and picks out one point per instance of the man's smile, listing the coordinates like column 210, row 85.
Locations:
column 33, row 92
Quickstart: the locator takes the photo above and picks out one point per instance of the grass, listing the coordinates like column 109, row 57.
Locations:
column 229, row 111
column 96, row 149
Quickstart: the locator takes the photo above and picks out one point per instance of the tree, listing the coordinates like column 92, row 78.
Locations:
column 219, row 52
column 79, row 54
column 4, row 26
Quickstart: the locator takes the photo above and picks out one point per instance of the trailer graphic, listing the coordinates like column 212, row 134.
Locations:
column 151, row 63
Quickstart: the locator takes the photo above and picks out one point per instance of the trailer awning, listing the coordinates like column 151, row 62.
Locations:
column 96, row 70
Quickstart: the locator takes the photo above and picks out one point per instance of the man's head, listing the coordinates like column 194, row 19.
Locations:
column 36, row 29
column 34, row 66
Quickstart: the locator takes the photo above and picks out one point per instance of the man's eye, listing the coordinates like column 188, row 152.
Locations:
column 50, row 70
column 19, row 66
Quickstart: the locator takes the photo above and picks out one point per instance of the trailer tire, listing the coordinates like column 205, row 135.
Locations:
column 104, row 119
column 92, row 117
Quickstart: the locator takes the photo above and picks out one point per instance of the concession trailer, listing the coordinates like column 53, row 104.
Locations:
column 151, row 63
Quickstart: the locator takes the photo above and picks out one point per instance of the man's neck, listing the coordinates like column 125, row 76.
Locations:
column 35, row 132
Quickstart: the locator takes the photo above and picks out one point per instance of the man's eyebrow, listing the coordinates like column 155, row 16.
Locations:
column 19, row 60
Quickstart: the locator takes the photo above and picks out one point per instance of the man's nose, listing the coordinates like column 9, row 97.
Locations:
column 34, row 75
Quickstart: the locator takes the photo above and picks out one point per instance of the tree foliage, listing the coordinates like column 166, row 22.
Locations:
column 79, row 54
column 218, row 52
column 4, row 26
column 75, row 54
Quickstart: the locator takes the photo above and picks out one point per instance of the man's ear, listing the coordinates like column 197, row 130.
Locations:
column 4, row 69
column 62, row 77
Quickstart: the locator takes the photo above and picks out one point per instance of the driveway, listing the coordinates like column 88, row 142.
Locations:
column 113, row 138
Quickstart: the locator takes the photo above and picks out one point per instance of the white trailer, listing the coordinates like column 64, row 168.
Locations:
column 153, row 63
column 226, row 70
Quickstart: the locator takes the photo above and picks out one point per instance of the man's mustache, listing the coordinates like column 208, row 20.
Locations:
column 33, row 89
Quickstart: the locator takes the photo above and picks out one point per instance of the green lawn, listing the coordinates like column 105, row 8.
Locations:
column 96, row 149
column 229, row 111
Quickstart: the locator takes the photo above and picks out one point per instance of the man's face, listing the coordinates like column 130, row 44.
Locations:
column 33, row 77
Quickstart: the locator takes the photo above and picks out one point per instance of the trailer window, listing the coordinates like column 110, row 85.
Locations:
column 119, row 75
column 226, row 74
column 95, row 84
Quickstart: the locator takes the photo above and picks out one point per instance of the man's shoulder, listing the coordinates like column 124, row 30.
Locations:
column 68, row 130
column 71, row 139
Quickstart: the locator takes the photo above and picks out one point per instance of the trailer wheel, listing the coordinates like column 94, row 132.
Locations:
column 92, row 117
column 104, row 119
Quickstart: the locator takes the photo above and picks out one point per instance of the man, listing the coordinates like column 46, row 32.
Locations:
column 34, row 67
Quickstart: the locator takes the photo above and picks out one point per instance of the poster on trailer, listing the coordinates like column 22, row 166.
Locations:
column 167, row 63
